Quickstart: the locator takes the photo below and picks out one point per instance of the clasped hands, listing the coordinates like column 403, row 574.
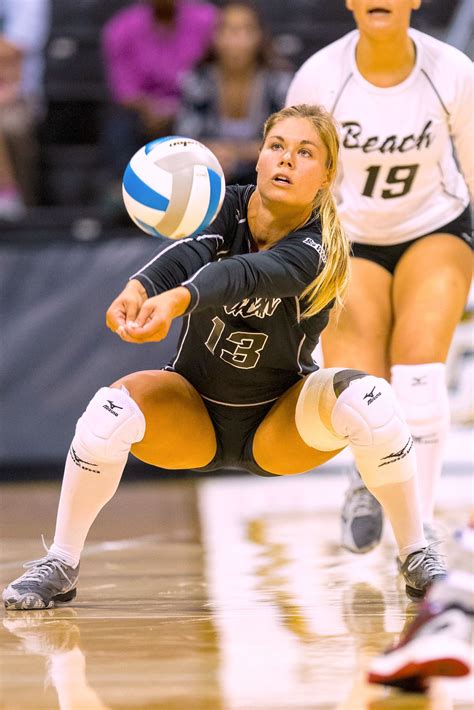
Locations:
column 136, row 318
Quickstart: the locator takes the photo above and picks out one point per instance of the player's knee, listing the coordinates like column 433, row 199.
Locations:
column 337, row 407
column 111, row 423
column 315, row 407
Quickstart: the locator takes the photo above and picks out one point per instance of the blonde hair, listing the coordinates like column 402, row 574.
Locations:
column 332, row 281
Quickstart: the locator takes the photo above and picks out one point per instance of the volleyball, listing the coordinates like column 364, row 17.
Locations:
column 173, row 187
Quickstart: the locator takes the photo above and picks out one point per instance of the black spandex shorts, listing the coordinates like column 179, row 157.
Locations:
column 235, row 429
column 389, row 256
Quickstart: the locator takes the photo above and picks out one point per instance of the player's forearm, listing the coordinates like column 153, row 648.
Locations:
column 175, row 263
column 249, row 276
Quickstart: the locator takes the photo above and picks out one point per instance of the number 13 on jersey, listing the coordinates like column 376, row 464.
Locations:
column 244, row 348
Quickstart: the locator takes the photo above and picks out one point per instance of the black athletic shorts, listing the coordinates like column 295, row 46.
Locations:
column 389, row 256
column 235, row 430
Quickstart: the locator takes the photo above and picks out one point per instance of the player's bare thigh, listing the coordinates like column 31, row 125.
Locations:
column 358, row 335
column 278, row 447
column 179, row 433
column 430, row 288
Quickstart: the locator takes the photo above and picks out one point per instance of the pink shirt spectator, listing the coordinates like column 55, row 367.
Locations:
column 145, row 59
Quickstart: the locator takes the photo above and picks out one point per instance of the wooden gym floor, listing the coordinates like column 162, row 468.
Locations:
column 224, row 593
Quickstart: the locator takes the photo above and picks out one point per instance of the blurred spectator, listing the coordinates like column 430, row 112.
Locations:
column 24, row 29
column 227, row 99
column 147, row 47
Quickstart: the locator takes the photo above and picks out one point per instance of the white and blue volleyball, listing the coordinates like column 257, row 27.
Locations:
column 173, row 187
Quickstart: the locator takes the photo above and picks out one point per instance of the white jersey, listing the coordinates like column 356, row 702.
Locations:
column 399, row 177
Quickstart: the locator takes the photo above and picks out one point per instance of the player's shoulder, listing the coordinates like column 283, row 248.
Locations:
column 334, row 57
column 238, row 194
column 234, row 206
column 308, row 237
column 441, row 57
column 321, row 76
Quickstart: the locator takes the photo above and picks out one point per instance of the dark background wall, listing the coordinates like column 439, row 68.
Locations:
column 55, row 349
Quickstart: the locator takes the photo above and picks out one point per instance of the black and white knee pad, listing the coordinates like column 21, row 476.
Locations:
column 338, row 407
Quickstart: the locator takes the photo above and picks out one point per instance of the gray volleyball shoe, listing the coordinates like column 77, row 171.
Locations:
column 47, row 582
column 361, row 518
column 435, row 534
column 420, row 569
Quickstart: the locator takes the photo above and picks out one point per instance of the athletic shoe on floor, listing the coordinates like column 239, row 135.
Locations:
column 47, row 582
column 436, row 644
column 420, row 569
column 361, row 518
column 434, row 534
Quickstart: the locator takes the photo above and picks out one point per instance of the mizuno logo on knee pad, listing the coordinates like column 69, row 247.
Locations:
column 372, row 396
column 416, row 381
column 110, row 407
column 397, row 455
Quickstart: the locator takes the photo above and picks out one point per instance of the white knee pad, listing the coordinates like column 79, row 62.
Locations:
column 314, row 410
column 110, row 425
column 423, row 395
column 361, row 411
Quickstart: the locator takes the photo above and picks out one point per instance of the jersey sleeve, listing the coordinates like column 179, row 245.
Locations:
column 462, row 124
column 284, row 270
column 180, row 260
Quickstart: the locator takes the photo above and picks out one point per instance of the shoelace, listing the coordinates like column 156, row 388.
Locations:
column 42, row 567
column 431, row 556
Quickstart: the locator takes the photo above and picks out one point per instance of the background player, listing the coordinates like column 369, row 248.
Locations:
column 243, row 391
column 403, row 101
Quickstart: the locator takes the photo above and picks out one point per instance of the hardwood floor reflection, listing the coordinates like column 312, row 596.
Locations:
column 224, row 593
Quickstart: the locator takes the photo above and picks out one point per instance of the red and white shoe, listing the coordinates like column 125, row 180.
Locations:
column 436, row 644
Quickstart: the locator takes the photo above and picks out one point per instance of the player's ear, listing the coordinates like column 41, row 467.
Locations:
column 349, row 5
column 325, row 182
column 416, row 4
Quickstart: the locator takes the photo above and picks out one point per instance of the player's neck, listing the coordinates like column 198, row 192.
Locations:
column 388, row 62
column 267, row 226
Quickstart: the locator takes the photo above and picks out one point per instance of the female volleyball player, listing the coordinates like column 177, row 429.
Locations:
column 255, row 290
column 404, row 102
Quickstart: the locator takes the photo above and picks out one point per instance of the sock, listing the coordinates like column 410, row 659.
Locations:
column 396, row 500
column 423, row 396
column 87, row 486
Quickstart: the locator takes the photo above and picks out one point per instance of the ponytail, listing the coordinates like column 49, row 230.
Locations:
column 332, row 281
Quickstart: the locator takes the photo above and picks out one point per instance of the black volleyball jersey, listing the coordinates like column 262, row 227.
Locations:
column 244, row 340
